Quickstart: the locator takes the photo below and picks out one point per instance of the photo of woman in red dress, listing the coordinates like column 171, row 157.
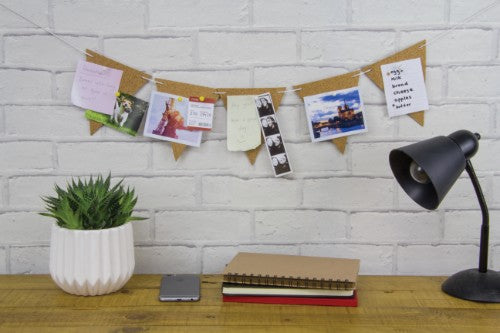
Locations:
column 170, row 122
column 166, row 119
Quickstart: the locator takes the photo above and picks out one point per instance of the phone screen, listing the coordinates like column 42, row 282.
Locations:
column 180, row 287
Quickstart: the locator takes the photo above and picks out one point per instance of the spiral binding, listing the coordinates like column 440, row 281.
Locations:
column 289, row 282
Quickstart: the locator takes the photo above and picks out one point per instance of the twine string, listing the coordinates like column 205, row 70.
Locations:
column 47, row 30
column 430, row 41
column 460, row 24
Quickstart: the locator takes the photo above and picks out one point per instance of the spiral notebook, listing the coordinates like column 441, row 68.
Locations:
column 292, row 271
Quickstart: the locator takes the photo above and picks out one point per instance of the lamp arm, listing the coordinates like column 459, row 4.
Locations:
column 485, row 226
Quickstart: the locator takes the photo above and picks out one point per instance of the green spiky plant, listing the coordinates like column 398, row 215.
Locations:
column 91, row 204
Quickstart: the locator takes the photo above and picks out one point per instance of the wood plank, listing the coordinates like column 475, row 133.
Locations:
column 386, row 303
column 256, row 315
column 250, row 329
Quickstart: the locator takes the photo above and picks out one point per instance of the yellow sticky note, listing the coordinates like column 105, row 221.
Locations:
column 243, row 126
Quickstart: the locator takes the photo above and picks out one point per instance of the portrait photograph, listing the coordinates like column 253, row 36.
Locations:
column 167, row 120
column 269, row 125
column 281, row 165
column 335, row 114
column 127, row 114
column 264, row 105
column 275, row 144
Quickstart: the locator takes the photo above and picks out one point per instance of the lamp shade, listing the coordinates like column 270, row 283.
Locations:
column 427, row 170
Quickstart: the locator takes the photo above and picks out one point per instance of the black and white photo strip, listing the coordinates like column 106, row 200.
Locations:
column 272, row 136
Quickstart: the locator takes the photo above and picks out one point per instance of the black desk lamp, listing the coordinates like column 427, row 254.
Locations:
column 426, row 171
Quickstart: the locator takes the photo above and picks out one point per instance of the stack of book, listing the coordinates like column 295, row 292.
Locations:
column 288, row 279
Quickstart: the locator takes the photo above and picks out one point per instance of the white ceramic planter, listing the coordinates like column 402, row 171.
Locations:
column 92, row 262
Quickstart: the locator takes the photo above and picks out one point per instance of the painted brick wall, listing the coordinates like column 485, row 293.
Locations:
column 212, row 203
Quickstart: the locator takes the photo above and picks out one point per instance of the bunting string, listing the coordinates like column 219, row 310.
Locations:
column 461, row 23
column 430, row 41
column 134, row 79
column 46, row 30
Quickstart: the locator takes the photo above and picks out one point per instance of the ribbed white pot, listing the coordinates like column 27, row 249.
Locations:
column 92, row 262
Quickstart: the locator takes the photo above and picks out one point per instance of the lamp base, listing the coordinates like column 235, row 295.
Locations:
column 473, row 285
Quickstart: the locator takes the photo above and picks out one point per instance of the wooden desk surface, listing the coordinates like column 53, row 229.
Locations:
column 386, row 304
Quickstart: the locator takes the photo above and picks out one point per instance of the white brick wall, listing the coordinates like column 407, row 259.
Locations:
column 3, row 260
column 25, row 155
column 15, row 226
column 346, row 47
column 37, row 11
column 43, row 51
column 200, row 226
column 29, row 259
column 24, row 86
column 98, row 16
column 391, row 12
column 48, row 122
column 151, row 53
column 230, row 48
column 215, row 13
column 436, row 259
column 294, row 226
column 283, row 13
column 204, row 208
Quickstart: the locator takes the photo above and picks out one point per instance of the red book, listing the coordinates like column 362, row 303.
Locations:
column 329, row 301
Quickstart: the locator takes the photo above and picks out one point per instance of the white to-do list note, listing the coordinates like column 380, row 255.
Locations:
column 404, row 87
column 95, row 87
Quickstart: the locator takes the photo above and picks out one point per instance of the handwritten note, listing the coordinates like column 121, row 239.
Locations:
column 243, row 127
column 200, row 113
column 404, row 87
column 95, row 86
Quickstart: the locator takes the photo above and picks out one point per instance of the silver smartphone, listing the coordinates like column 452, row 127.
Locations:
column 180, row 287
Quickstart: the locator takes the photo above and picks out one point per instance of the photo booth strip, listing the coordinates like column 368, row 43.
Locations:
column 374, row 71
column 185, row 90
column 132, row 79
column 276, row 94
column 338, row 82
column 272, row 115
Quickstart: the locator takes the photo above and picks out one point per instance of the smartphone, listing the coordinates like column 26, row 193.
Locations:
column 180, row 287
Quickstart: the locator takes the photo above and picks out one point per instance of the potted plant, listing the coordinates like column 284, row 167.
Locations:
column 92, row 245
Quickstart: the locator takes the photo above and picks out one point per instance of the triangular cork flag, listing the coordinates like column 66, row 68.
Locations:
column 338, row 82
column 276, row 95
column 412, row 52
column 185, row 90
column 132, row 79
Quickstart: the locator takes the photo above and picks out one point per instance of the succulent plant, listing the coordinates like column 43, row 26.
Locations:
column 91, row 204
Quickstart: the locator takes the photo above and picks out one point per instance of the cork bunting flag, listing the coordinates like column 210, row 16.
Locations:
column 276, row 95
column 186, row 90
column 412, row 52
column 132, row 79
column 334, row 83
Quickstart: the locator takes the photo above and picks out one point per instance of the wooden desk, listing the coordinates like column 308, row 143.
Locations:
column 386, row 304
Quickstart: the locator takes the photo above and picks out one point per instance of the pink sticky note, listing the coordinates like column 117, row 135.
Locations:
column 95, row 87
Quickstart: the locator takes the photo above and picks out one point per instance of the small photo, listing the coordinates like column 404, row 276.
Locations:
column 167, row 117
column 275, row 144
column 280, row 164
column 127, row 114
column 264, row 105
column 335, row 114
column 269, row 125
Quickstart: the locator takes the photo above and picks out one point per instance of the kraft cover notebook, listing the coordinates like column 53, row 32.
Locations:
column 292, row 271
